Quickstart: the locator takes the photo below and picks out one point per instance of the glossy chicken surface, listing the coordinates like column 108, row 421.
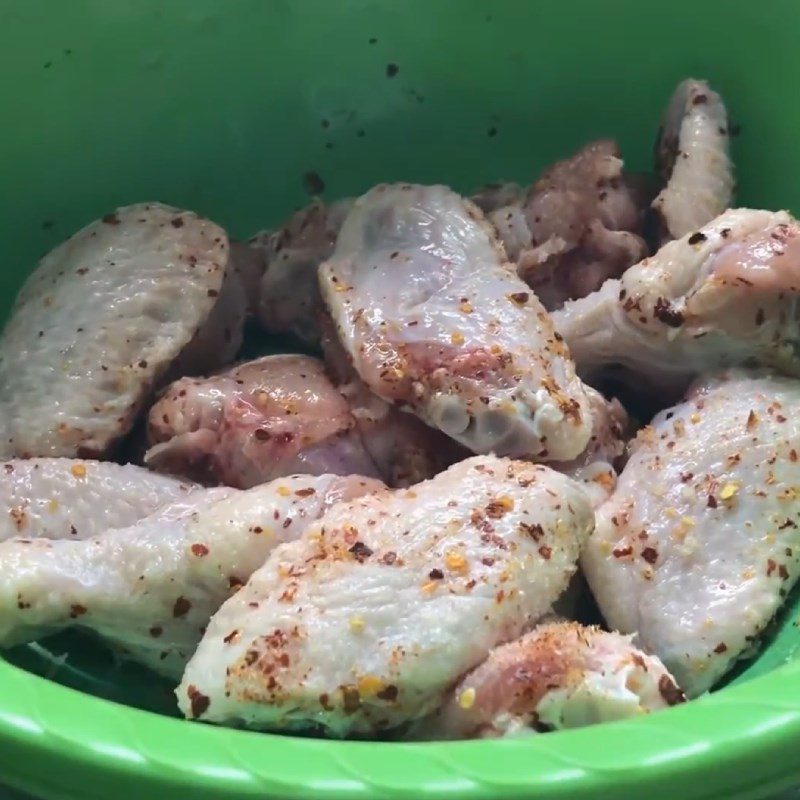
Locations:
column 151, row 588
column 725, row 295
column 274, row 416
column 692, row 159
column 699, row 544
column 561, row 675
column 365, row 622
column 436, row 320
column 102, row 319
column 580, row 223
column 63, row 498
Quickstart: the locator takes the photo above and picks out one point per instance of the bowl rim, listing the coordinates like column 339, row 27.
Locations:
column 703, row 749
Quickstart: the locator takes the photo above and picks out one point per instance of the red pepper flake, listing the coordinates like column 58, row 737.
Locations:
column 234, row 634
column 388, row 693
column 176, row 222
column 534, row 530
column 622, row 552
column 712, row 501
column 771, row 566
column 156, row 631
column 720, row 648
column 487, row 561
column 669, row 691
column 306, row 492
column 360, row 551
column 520, row 298
column 325, row 701
column 664, row 312
column 783, row 572
column 235, row 583
column 500, row 596
column 388, row 558
column 199, row 550
column 197, row 700
column 436, row 574
column 181, row 607
column 351, row 699
column 77, row 610
column 698, row 237
column 650, row 555
column 545, row 552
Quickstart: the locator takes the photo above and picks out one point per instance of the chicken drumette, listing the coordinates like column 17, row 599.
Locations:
column 151, row 588
column 725, row 295
column 699, row 544
column 365, row 623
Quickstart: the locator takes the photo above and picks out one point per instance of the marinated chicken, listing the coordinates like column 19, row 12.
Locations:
column 263, row 419
column 699, row 544
column 579, row 224
column 364, row 623
column 434, row 319
column 289, row 294
column 151, row 588
column 692, row 159
column 561, row 675
column 101, row 321
column 722, row 296
column 62, row 498
column 281, row 415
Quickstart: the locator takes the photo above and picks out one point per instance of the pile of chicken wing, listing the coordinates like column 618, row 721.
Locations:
column 394, row 538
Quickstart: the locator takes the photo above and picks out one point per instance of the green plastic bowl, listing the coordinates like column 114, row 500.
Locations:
column 237, row 110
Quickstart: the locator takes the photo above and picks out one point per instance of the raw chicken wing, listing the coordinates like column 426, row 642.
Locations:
column 561, row 675
column 436, row 320
column 365, row 623
column 274, row 416
column 723, row 296
column 100, row 321
column 151, row 588
column 692, row 159
column 699, row 544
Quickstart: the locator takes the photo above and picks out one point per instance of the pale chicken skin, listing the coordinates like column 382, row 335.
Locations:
column 101, row 321
column 364, row 623
column 274, row 416
column 723, row 296
column 150, row 588
column 699, row 544
column 560, row 675
column 436, row 320
column 692, row 159
column 63, row 498
column 289, row 298
column 580, row 223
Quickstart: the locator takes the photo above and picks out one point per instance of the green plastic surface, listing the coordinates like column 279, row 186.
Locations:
column 224, row 107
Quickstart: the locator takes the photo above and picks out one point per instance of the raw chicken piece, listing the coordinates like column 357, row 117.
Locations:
column 561, row 675
column 274, row 416
column 723, row 296
column 289, row 294
column 699, row 544
column 580, row 223
column 365, row 623
column 692, row 159
column 61, row 498
column 436, row 320
column 100, row 321
column 492, row 196
column 151, row 588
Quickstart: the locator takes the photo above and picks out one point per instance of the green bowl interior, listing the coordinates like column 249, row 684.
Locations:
column 226, row 109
